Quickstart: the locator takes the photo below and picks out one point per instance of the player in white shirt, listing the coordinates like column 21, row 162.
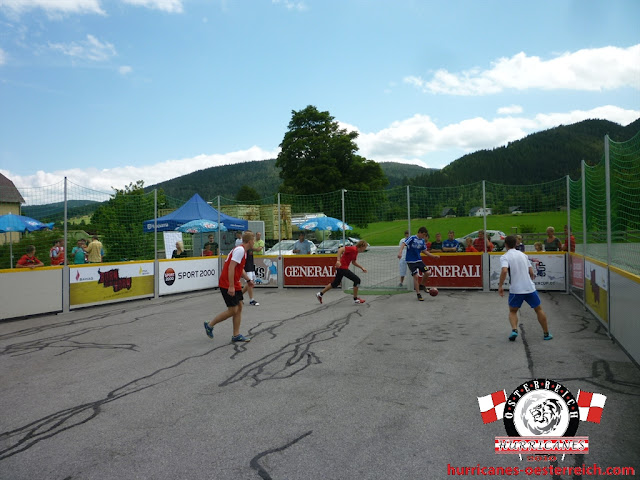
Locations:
column 521, row 289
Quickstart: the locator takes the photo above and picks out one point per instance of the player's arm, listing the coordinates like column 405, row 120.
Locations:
column 429, row 254
column 339, row 256
column 503, row 277
column 532, row 274
column 232, row 273
column 359, row 266
column 401, row 249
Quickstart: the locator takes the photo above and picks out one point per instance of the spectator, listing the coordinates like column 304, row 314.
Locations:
column 212, row 246
column 519, row 244
column 436, row 247
column 450, row 245
column 482, row 244
column 537, row 246
column 402, row 263
column 56, row 253
column 179, row 251
column 302, row 246
column 470, row 247
column 207, row 252
column 94, row 250
column 239, row 239
column 78, row 253
column 552, row 243
column 569, row 240
column 29, row 260
column 258, row 245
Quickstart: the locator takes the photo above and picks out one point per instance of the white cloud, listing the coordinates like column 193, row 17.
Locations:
column 593, row 69
column 171, row 6
column 419, row 136
column 125, row 70
column 3, row 57
column 119, row 177
column 52, row 7
column 291, row 5
column 510, row 110
column 89, row 49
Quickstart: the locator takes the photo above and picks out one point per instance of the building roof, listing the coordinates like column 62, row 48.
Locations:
column 8, row 191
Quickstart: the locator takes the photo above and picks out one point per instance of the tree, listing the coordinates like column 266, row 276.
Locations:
column 318, row 156
column 247, row 194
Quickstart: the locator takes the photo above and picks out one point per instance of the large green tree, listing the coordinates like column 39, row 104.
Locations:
column 318, row 156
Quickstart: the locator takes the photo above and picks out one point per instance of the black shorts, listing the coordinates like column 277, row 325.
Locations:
column 418, row 268
column 345, row 272
column 232, row 301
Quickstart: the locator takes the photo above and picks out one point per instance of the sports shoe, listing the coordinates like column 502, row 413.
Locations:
column 513, row 336
column 254, row 303
column 240, row 338
column 319, row 297
column 420, row 298
column 547, row 336
column 358, row 300
column 208, row 330
column 401, row 284
column 422, row 287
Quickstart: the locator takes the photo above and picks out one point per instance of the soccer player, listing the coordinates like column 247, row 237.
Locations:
column 522, row 288
column 347, row 255
column 416, row 244
column 231, row 289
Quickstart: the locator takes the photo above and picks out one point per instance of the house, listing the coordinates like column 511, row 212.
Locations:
column 10, row 202
column 448, row 212
column 479, row 212
column 516, row 210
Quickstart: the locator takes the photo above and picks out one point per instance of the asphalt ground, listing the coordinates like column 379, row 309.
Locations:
column 383, row 390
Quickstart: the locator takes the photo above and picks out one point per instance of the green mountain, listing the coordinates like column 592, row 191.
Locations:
column 262, row 176
column 538, row 158
column 54, row 212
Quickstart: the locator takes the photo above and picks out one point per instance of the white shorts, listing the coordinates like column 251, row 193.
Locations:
column 251, row 275
column 402, row 267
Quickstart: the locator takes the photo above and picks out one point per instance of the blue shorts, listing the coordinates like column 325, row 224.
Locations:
column 516, row 299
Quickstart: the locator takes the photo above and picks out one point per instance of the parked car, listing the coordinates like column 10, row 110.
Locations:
column 332, row 246
column 285, row 247
column 495, row 236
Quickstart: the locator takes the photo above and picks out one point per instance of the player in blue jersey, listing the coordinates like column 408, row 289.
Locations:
column 416, row 245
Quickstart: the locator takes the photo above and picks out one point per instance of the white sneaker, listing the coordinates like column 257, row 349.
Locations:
column 319, row 297
column 254, row 303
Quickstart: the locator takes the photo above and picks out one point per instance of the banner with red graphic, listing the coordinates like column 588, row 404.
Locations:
column 308, row 270
column 456, row 270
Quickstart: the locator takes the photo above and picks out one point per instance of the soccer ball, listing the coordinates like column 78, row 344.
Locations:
column 433, row 291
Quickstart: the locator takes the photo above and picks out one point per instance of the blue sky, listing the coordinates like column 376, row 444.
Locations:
column 108, row 92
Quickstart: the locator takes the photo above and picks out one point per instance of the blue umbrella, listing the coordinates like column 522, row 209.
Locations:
column 18, row 223
column 201, row 226
column 328, row 224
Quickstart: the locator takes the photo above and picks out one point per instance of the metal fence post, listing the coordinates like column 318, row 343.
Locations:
column 484, row 214
column 607, row 183
column 156, row 261
column 65, row 266
column 344, row 233
column 568, row 239
column 409, row 209
column 584, row 228
column 280, row 260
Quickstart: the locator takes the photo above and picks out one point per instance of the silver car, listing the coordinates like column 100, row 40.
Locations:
column 285, row 247
column 495, row 236
column 332, row 246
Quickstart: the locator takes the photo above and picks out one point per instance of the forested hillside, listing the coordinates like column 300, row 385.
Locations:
column 537, row 158
column 262, row 176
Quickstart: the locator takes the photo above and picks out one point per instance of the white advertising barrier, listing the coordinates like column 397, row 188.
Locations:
column 549, row 269
column 188, row 274
column 24, row 291
column 625, row 327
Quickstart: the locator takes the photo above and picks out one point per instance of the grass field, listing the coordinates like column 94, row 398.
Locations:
column 389, row 233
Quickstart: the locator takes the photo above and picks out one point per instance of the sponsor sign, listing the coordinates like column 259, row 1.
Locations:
column 596, row 289
column 308, row 270
column 549, row 269
column 266, row 271
column 454, row 270
column 576, row 271
column 188, row 275
column 108, row 282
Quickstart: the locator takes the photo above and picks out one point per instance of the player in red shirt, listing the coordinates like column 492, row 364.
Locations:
column 231, row 288
column 29, row 260
column 347, row 255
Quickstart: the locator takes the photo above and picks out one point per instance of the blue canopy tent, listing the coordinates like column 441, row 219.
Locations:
column 194, row 209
